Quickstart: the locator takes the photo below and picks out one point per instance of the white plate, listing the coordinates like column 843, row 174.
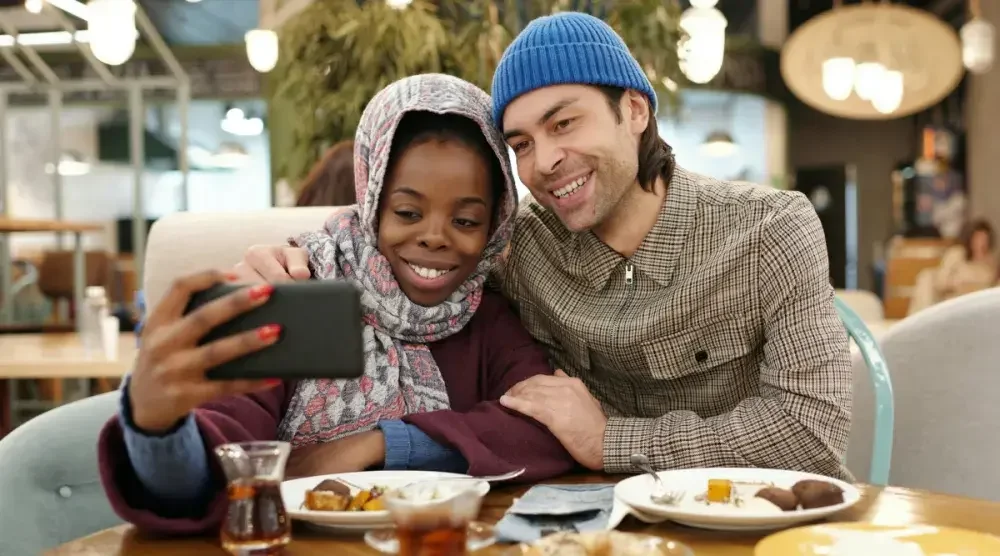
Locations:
column 635, row 492
column 293, row 492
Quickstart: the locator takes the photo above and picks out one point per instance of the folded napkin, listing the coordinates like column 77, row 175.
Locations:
column 547, row 509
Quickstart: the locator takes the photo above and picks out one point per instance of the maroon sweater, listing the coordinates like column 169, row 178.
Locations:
column 478, row 364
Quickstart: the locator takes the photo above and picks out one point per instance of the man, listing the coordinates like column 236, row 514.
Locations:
column 694, row 318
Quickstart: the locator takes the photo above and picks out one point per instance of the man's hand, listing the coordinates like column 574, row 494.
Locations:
column 272, row 264
column 344, row 455
column 565, row 406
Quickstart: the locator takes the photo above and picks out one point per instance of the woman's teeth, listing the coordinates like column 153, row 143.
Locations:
column 571, row 188
column 429, row 273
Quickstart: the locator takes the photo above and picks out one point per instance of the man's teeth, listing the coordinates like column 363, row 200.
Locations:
column 569, row 189
column 429, row 273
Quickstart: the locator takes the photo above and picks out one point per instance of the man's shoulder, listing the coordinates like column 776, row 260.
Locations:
column 759, row 199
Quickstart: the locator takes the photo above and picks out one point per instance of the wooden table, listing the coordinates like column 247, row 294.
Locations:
column 890, row 506
column 59, row 356
column 17, row 225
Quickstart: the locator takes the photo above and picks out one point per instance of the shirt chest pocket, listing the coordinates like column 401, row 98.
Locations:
column 698, row 350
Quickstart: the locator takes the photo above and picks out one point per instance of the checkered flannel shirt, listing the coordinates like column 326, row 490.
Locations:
column 715, row 345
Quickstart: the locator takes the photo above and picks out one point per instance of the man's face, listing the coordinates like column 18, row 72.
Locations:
column 574, row 153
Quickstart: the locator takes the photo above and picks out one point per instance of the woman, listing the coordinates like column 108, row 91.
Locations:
column 970, row 267
column 436, row 199
column 331, row 181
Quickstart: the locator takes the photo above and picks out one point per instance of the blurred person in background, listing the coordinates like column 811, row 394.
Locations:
column 970, row 266
column 331, row 181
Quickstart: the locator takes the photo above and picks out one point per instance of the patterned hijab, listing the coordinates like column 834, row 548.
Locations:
column 401, row 376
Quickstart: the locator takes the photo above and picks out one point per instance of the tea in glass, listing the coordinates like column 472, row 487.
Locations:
column 433, row 518
column 255, row 521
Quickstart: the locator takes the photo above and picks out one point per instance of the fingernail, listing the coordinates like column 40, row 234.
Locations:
column 269, row 332
column 504, row 400
column 232, row 277
column 261, row 291
column 272, row 382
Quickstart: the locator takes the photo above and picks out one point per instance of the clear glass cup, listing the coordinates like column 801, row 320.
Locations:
column 256, row 521
column 434, row 518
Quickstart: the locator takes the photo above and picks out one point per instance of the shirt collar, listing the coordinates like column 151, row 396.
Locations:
column 659, row 251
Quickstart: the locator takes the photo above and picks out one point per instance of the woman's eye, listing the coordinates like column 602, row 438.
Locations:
column 466, row 223
column 407, row 214
column 520, row 146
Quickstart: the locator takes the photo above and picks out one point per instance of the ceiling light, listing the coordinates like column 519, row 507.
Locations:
column 262, row 49
column 703, row 50
column 838, row 77
column 33, row 6
column 889, row 94
column 867, row 79
column 977, row 45
column 71, row 163
column 398, row 4
column 719, row 144
column 237, row 124
column 112, row 30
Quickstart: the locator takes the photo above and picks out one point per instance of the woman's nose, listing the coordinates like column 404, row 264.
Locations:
column 433, row 236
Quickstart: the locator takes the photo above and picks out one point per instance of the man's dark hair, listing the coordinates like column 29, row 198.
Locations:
column 656, row 157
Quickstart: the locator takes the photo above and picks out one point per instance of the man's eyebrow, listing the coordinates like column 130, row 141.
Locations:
column 552, row 111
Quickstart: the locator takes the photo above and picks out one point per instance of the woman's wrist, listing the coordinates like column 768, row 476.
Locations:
column 149, row 425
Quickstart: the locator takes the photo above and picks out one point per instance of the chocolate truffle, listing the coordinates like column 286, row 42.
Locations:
column 817, row 494
column 782, row 498
column 334, row 486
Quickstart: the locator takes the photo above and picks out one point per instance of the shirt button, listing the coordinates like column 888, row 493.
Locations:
column 65, row 491
column 701, row 356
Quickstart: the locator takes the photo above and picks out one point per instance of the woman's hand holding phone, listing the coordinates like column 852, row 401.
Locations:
column 168, row 380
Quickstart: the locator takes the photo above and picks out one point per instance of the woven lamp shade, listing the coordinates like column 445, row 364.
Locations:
column 925, row 49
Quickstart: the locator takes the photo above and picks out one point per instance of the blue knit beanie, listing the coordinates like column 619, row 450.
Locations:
column 565, row 48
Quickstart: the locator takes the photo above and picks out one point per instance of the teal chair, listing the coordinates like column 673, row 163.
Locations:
column 878, row 472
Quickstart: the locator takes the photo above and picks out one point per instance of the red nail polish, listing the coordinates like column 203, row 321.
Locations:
column 232, row 277
column 262, row 291
column 269, row 332
column 272, row 381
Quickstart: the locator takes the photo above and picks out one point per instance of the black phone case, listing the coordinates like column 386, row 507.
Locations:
column 320, row 336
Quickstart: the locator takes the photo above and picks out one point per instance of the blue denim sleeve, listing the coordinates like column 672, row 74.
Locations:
column 407, row 447
column 174, row 466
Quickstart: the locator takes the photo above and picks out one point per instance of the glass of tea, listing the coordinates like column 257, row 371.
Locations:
column 255, row 522
column 434, row 518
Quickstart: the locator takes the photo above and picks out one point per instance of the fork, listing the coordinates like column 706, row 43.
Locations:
column 660, row 494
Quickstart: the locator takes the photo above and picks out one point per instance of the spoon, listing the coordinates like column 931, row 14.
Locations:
column 660, row 494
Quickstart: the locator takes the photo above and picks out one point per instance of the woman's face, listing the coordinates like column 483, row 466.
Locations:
column 979, row 244
column 434, row 218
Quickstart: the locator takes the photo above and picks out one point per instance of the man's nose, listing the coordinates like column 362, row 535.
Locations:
column 548, row 156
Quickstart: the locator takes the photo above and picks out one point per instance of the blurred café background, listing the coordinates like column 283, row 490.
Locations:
column 116, row 113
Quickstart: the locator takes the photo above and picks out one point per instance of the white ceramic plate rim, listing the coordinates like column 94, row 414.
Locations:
column 293, row 494
column 624, row 490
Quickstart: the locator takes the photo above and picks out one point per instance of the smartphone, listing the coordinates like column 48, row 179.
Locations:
column 320, row 332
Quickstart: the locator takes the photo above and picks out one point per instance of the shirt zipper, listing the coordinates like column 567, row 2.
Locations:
column 629, row 275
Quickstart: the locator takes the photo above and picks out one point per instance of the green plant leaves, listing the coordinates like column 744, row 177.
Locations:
column 336, row 54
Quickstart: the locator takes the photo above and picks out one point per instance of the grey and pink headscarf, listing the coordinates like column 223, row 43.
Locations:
column 401, row 376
